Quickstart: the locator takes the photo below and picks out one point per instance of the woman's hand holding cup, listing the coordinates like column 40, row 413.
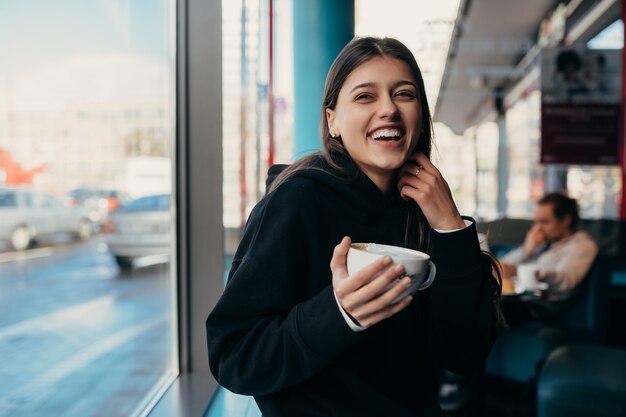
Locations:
column 362, row 294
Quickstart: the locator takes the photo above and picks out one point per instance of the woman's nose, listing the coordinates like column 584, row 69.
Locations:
column 387, row 108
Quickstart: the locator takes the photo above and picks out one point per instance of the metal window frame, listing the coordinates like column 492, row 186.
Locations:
column 200, row 237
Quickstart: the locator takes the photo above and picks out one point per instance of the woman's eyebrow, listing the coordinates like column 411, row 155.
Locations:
column 363, row 85
column 404, row 82
column 394, row 86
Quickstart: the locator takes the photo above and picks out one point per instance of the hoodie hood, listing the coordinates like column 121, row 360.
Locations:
column 348, row 184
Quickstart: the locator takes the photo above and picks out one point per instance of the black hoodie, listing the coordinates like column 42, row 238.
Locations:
column 277, row 332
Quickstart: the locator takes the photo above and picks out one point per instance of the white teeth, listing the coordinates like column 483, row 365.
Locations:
column 387, row 133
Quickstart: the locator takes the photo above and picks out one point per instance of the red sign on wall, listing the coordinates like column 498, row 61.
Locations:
column 580, row 106
column 580, row 134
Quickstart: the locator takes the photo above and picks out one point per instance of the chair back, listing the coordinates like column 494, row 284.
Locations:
column 590, row 312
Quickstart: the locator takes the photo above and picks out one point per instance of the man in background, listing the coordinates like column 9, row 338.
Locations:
column 562, row 251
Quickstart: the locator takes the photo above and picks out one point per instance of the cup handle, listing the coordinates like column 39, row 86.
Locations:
column 431, row 277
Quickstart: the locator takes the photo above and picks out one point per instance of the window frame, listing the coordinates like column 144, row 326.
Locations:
column 199, row 262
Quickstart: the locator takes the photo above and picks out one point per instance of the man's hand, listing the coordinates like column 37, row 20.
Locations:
column 508, row 270
column 533, row 239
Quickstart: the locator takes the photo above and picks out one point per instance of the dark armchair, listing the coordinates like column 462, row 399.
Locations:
column 583, row 381
column 520, row 351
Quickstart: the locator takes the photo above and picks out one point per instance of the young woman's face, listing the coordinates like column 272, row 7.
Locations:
column 378, row 116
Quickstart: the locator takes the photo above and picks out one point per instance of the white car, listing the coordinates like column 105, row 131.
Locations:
column 28, row 215
column 140, row 229
column 97, row 202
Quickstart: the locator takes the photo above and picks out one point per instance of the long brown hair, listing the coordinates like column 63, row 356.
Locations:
column 354, row 54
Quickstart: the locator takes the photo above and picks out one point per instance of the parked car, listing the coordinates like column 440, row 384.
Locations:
column 140, row 229
column 98, row 202
column 28, row 215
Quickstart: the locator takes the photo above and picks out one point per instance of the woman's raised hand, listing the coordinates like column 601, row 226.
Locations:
column 422, row 182
column 361, row 294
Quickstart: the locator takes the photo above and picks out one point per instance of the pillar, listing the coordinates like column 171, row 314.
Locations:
column 503, row 165
column 321, row 28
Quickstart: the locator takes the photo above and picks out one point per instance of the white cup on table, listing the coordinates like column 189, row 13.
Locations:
column 528, row 275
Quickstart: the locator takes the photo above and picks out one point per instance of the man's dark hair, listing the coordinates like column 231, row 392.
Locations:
column 562, row 205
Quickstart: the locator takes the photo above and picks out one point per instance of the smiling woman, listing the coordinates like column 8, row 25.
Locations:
column 295, row 333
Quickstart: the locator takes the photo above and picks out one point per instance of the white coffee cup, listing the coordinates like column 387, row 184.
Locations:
column 528, row 275
column 417, row 265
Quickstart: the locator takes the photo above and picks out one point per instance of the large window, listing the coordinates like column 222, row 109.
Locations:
column 258, row 110
column 86, row 221
column 525, row 174
column 486, row 139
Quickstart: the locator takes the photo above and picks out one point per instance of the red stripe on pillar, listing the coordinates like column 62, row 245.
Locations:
column 622, row 149
column 270, row 87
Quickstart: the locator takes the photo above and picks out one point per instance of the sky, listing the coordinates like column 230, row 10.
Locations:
column 40, row 40
column 610, row 38
column 36, row 32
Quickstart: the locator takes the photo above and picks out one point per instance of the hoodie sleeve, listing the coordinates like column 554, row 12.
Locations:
column 463, row 315
column 262, row 335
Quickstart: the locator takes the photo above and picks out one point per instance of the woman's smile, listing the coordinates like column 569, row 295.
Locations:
column 388, row 136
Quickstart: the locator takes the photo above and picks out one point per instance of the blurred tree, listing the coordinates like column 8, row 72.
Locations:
column 13, row 172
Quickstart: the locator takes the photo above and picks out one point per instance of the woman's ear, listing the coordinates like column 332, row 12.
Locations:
column 330, row 120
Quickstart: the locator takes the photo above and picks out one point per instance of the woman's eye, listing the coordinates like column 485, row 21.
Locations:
column 404, row 93
column 364, row 96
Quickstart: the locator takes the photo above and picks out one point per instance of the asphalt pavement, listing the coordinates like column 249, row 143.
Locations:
column 78, row 338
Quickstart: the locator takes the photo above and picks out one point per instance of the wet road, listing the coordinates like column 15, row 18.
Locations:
column 78, row 338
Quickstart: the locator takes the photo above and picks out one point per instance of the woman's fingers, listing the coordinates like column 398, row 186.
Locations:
column 423, row 179
column 425, row 162
column 358, row 279
column 382, row 300
column 338, row 263
column 376, row 284
column 418, row 165
column 386, row 312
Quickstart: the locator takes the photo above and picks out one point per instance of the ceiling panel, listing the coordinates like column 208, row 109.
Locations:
column 492, row 38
